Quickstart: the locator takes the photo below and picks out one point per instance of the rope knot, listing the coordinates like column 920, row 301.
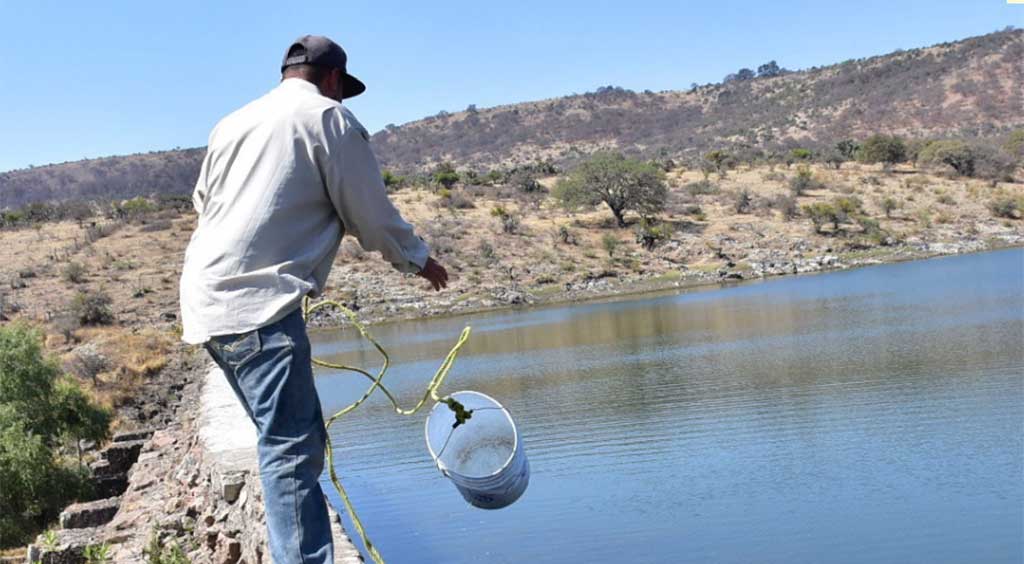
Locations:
column 461, row 413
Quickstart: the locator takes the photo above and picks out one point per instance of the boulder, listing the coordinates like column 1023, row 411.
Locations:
column 91, row 514
column 121, row 455
column 135, row 435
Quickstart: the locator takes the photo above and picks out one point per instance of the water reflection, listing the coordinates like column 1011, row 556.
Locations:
column 866, row 415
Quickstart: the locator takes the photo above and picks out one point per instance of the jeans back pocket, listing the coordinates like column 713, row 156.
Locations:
column 236, row 350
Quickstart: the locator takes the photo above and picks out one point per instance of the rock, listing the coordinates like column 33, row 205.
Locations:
column 68, row 547
column 228, row 552
column 230, row 484
column 136, row 435
column 109, row 486
column 91, row 514
column 121, row 455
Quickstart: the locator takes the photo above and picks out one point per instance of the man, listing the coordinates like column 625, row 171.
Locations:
column 284, row 178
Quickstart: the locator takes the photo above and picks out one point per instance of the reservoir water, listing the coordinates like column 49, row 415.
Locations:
column 872, row 415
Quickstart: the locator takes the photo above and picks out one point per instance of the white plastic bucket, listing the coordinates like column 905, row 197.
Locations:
column 483, row 457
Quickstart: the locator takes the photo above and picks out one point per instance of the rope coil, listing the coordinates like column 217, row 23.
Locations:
column 461, row 413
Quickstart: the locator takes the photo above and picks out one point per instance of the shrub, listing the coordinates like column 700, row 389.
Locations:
column 846, row 207
column 799, row 155
column 1014, row 145
column 701, row 187
column 720, row 161
column 564, row 235
column 92, row 308
column 391, row 181
column 873, row 230
column 509, row 221
column 649, row 234
column 135, row 208
column 787, row 206
column 622, row 184
column 848, row 149
column 487, row 251
column 804, row 181
column 956, row 154
column 526, row 181
column 889, row 205
column 39, row 412
column 1007, row 207
column 834, row 158
column 445, row 175
column 610, row 243
column 73, row 272
column 821, row 214
column 454, row 199
column 888, row 149
column 87, row 362
column 742, row 201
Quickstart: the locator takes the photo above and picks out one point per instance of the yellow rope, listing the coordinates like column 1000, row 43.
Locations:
column 431, row 393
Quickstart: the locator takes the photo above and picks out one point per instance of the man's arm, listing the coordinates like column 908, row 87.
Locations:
column 353, row 181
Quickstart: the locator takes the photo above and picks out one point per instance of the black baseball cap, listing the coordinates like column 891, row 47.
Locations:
column 320, row 51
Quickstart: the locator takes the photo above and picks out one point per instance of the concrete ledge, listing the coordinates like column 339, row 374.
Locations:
column 227, row 434
column 228, row 439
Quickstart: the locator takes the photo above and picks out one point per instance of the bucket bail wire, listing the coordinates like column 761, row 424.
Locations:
column 478, row 449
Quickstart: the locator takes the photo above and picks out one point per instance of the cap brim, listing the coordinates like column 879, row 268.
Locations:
column 351, row 86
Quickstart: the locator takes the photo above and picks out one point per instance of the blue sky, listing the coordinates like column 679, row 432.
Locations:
column 91, row 79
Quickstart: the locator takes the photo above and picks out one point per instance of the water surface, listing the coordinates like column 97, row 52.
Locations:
column 874, row 415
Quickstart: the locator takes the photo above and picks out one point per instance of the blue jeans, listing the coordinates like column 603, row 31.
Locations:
column 270, row 371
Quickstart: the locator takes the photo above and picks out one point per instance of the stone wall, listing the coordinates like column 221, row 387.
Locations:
column 193, row 488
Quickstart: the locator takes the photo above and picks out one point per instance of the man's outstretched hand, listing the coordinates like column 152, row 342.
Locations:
column 435, row 273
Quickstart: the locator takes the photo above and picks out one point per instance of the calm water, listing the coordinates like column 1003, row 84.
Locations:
column 875, row 415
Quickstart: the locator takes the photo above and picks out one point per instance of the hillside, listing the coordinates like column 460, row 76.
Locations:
column 965, row 88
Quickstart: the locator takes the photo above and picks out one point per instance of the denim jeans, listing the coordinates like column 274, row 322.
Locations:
column 270, row 372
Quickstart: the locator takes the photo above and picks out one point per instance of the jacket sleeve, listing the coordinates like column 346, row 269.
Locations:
column 353, row 182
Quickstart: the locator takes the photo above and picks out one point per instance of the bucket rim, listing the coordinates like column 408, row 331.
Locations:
column 508, row 415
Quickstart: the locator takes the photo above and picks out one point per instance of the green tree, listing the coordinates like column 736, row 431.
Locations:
column 834, row 158
column 1014, row 145
column 956, row 154
column 888, row 149
column 720, row 161
column 800, row 155
column 40, row 410
column 848, row 148
column 392, row 181
column 889, row 205
column 92, row 308
column 803, row 181
column 769, row 69
column 610, row 243
column 445, row 175
column 821, row 214
column 623, row 184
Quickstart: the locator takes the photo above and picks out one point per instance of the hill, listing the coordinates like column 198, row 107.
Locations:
column 968, row 88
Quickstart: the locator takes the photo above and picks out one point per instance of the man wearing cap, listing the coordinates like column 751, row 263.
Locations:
column 284, row 178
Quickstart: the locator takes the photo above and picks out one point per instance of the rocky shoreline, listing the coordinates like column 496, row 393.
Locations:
column 398, row 304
